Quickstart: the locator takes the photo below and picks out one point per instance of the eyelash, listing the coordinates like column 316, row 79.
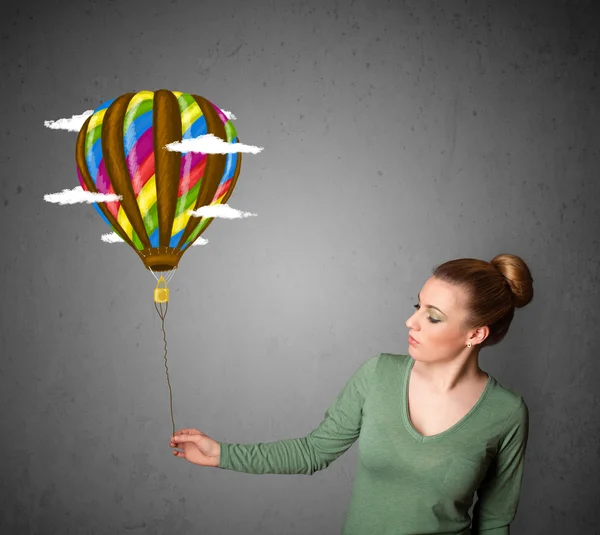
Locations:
column 431, row 320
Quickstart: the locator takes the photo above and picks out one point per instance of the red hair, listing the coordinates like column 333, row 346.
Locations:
column 494, row 290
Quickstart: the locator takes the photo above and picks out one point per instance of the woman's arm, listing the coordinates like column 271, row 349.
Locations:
column 316, row 451
column 498, row 495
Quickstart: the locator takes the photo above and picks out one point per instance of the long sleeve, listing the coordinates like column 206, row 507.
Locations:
column 334, row 435
column 498, row 495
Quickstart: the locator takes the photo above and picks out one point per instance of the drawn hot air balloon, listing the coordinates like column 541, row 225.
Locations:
column 121, row 150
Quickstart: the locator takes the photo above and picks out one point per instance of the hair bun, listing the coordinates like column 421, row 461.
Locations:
column 517, row 275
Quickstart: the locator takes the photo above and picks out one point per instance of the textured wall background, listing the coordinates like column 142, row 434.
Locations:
column 397, row 135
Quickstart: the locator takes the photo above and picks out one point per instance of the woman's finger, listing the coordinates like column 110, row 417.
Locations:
column 184, row 438
column 187, row 431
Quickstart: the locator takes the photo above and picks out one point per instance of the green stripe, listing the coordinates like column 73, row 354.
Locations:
column 184, row 101
column 187, row 199
column 198, row 230
column 137, row 110
column 92, row 136
column 151, row 219
column 230, row 131
column 136, row 241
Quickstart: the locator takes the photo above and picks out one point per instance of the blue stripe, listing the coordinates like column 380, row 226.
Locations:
column 230, row 164
column 136, row 129
column 197, row 128
column 154, row 240
column 175, row 239
column 104, row 105
column 93, row 158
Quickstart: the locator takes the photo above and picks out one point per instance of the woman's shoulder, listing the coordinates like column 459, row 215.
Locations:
column 507, row 406
column 383, row 362
column 507, row 395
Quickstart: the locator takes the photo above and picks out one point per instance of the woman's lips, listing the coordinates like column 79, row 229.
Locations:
column 412, row 341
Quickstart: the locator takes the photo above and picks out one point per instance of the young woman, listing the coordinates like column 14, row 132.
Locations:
column 433, row 428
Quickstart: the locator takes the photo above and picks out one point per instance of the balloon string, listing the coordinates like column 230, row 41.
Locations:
column 162, row 317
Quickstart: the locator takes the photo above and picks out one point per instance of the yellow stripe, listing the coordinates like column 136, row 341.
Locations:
column 180, row 222
column 124, row 222
column 190, row 114
column 177, row 93
column 96, row 119
column 138, row 97
column 147, row 196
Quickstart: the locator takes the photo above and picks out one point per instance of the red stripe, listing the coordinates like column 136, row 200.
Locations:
column 143, row 173
column 188, row 181
column 114, row 206
column 222, row 189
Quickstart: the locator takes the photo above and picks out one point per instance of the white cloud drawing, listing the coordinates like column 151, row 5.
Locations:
column 73, row 124
column 112, row 237
column 223, row 211
column 200, row 241
column 210, row 144
column 79, row 195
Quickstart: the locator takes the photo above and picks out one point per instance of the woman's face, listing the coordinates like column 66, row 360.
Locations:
column 438, row 325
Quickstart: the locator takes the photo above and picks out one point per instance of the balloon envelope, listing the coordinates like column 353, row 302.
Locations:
column 121, row 150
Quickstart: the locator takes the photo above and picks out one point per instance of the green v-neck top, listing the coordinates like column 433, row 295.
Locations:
column 407, row 483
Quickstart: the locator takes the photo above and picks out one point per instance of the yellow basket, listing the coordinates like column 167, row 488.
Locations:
column 161, row 294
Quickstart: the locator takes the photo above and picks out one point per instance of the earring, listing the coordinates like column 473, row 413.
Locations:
column 469, row 344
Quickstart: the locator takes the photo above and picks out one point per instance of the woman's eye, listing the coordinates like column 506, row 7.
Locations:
column 431, row 320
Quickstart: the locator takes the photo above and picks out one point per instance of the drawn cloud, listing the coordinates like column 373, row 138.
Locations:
column 74, row 124
column 79, row 195
column 223, row 211
column 210, row 144
column 112, row 237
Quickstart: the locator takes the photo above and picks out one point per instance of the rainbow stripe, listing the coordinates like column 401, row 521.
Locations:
column 193, row 124
column 138, row 143
column 97, row 170
column 226, row 179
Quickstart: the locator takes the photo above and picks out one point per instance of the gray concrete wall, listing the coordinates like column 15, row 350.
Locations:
column 397, row 135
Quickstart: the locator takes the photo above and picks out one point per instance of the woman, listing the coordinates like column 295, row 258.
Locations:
column 432, row 427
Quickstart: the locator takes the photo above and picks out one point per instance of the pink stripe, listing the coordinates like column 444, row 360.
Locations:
column 103, row 184
column 221, row 114
column 139, row 153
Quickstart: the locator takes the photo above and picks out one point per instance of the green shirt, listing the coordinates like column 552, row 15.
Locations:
column 407, row 483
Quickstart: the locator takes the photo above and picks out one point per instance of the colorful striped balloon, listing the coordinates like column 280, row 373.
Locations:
column 121, row 150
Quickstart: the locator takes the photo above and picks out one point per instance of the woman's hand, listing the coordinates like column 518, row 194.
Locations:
column 197, row 447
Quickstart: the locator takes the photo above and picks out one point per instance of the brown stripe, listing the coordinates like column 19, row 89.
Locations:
column 89, row 182
column 167, row 129
column 231, row 186
column 215, row 165
column 113, row 151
